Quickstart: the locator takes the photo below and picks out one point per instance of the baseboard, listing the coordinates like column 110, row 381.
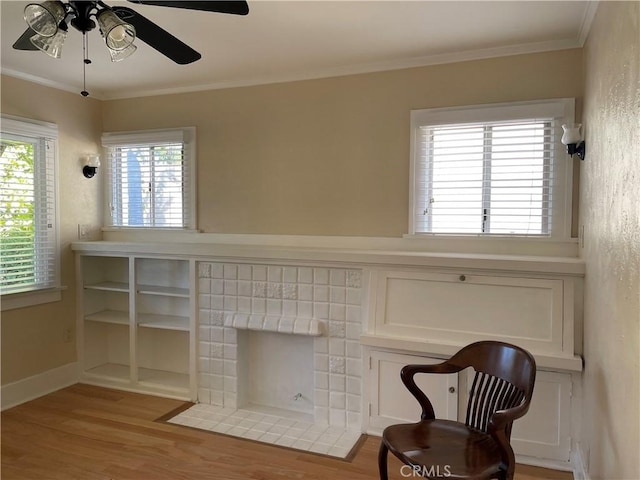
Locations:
column 38, row 385
column 578, row 461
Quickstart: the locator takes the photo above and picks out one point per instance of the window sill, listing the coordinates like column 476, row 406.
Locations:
column 13, row 301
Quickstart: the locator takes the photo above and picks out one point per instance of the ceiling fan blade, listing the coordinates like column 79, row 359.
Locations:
column 238, row 7
column 23, row 43
column 157, row 37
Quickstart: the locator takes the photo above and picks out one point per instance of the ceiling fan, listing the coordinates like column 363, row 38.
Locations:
column 120, row 26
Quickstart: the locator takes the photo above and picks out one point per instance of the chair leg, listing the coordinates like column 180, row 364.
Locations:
column 382, row 461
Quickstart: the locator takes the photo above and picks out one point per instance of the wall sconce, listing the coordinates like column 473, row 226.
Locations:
column 572, row 138
column 90, row 164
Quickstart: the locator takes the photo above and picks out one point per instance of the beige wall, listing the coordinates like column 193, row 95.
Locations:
column 610, row 211
column 32, row 338
column 329, row 156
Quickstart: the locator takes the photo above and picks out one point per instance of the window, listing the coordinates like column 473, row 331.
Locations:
column 491, row 170
column 150, row 176
column 28, row 236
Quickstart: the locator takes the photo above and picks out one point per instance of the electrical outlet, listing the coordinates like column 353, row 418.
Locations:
column 83, row 231
column 67, row 335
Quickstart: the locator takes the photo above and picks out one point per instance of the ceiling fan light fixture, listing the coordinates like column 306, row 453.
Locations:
column 119, row 55
column 44, row 18
column 118, row 34
column 52, row 46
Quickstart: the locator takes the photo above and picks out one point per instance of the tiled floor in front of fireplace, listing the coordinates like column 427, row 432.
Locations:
column 287, row 431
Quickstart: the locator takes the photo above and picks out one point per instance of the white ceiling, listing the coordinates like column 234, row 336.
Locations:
column 293, row 40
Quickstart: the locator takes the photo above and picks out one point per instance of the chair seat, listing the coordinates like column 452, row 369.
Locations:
column 444, row 448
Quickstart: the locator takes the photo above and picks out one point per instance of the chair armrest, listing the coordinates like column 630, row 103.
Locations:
column 409, row 371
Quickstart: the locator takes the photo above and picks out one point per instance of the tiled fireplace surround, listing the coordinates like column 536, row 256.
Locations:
column 292, row 300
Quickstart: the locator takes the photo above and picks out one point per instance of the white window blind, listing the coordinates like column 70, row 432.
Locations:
column 496, row 177
column 150, row 176
column 28, row 234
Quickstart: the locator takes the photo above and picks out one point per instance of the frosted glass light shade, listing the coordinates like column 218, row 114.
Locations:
column 119, row 55
column 571, row 133
column 52, row 46
column 45, row 17
column 118, row 34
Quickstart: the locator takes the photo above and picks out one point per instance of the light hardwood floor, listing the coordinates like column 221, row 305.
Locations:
column 84, row 432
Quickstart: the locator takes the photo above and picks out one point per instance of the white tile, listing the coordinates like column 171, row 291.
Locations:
column 217, row 350
column 258, row 305
column 336, row 364
column 353, row 349
column 354, row 420
column 321, row 276
column 262, row 427
column 305, row 275
column 337, row 417
column 244, row 288
column 269, row 437
column 204, row 349
column 278, row 429
column 337, row 383
column 217, row 286
column 320, row 448
column 204, row 316
column 295, row 432
column 321, row 345
column 321, row 378
column 204, row 301
column 271, row 323
column 217, row 270
column 285, row 441
column 286, row 325
column 217, row 317
column 230, row 351
column 353, row 314
column 230, row 335
column 320, row 310
column 321, row 362
column 216, row 366
column 337, row 400
column 217, row 334
column 290, row 275
column 256, row 322
column 321, row 398
column 354, row 330
column 302, row 444
column 216, row 382
column 274, row 307
column 337, row 295
column 305, row 292
column 222, row 428
column 230, row 399
column 217, row 302
column 289, row 308
column 203, row 364
column 244, row 304
column 321, row 414
column 337, row 277
column 230, row 368
column 247, row 423
column 305, row 309
column 301, row 326
column 354, row 367
column 244, row 272
column 230, row 272
column 217, row 397
column 204, row 269
column 336, row 345
column 354, row 296
column 274, row 290
column 320, row 293
column 237, row 431
column 204, row 285
column 259, row 273
column 337, row 311
column 340, row 452
column 354, row 403
column 259, row 289
column 204, row 395
column 290, row 291
column 354, row 278
column 274, row 274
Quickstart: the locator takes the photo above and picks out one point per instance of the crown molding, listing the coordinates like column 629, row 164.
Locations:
column 355, row 69
column 587, row 21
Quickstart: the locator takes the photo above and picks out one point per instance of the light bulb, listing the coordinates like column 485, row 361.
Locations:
column 118, row 33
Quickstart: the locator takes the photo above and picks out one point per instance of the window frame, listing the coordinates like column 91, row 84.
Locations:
column 561, row 110
column 130, row 138
column 37, row 130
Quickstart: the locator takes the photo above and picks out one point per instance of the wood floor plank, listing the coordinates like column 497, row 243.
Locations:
column 91, row 433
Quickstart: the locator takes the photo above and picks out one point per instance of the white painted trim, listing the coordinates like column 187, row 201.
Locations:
column 543, row 463
column 587, row 21
column 579, row 463
column 13, row 301
column 356, row 69
column 38, row 385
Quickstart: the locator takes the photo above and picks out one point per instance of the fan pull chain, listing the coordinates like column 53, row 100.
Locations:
column 85, row 62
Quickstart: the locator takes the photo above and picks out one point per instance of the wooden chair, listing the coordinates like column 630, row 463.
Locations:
column 478, row 448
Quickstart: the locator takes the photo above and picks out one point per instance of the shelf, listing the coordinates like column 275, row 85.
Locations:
column 109, row 287
column 166, row 322
column 164, row 291
column 109, row 316
column 163, row 379
column 112, row 371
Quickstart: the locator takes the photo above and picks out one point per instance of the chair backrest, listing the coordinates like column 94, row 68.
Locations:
column 505, row 375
